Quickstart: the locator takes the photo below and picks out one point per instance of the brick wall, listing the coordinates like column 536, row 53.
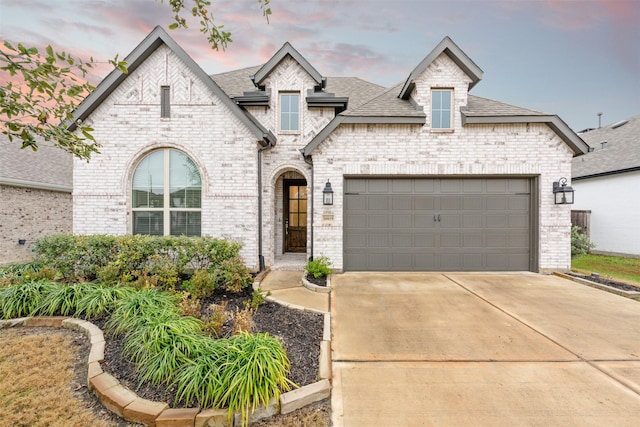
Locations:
column 30, row 214
column 129, row 126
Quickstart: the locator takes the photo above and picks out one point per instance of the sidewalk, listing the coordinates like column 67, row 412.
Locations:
column 286, row 288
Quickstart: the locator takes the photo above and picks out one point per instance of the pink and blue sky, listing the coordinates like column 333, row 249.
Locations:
column 573, row 58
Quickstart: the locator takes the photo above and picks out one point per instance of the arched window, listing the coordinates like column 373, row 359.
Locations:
column 166, row 195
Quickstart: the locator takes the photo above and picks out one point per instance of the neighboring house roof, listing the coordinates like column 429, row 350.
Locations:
column 486, row 111
column 49, row 168
column 620, row 154
column 448, row 47
column 155, row 39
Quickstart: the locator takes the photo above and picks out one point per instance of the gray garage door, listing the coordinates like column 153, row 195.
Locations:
column 431, row 224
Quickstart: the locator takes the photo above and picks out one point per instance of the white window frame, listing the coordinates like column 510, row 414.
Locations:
column 439, row 128
column 281, row 112
column 166, row 209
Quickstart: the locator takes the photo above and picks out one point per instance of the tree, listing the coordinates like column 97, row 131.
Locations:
column 40, row 90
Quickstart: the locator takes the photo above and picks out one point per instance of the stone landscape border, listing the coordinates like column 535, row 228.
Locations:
column 315, row 288
column 628, row 294
column 129, row 406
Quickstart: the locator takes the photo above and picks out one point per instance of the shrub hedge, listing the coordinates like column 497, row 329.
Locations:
column 142, row 261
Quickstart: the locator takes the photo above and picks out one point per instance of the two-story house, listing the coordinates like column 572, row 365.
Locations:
column 420, row 176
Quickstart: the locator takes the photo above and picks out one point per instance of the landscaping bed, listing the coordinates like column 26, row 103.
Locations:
column 607, row 282
column 299, row 331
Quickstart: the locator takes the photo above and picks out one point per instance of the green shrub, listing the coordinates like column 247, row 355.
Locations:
column 319, row 267
column 241, row 373
column 24, row 299
column 202, row 284
column 100, row 300
column 258, row 297
column 233, row 275
column 162, row 344
column 580, row 244
column 63, row 299
column 157, row 260
column 256, row 371
column 133, row 310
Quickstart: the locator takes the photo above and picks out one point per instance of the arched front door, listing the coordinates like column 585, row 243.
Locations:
column 295, row 215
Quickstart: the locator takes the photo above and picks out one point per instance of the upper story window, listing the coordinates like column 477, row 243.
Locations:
column 290, row 112
column 166, row 195
column 441, row 100
column 165, row 101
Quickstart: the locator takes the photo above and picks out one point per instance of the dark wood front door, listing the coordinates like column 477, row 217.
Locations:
column 295, row 215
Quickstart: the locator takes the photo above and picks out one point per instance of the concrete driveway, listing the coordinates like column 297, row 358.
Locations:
column 457, row 349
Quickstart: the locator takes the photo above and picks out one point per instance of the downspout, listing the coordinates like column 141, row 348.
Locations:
column 260, row 255
column 307, row 160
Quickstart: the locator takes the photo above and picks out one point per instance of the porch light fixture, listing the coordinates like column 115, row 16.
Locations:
column 327, row 194
column 562, row 193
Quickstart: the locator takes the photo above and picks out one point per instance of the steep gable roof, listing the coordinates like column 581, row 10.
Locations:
column 456, row 54
column 156, row 38
column 621, row 152
column 287, row 49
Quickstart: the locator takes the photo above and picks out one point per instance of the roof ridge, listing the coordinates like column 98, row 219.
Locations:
column 237, row 70
column 374, row 97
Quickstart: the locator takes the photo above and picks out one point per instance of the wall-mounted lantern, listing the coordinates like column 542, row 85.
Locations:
column 562, row 193
column 327, row 194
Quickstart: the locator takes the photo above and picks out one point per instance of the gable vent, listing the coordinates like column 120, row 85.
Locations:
column 619, row 124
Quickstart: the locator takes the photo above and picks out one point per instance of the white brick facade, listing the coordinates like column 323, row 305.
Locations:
column 128, row 125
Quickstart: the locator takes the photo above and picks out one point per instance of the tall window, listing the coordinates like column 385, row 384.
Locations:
column 290, row 111
column 441, row 108
column 166, row 195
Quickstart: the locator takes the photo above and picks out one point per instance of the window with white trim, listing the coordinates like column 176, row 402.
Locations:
column 289, row 111
column 167, row 195
column 441, row 100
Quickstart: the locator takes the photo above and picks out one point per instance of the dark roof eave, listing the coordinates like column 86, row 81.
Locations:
column 572, row 139
column 608, row 173
column 287, row 49
column 338, row 120
column 139, row 54
column 327, row 101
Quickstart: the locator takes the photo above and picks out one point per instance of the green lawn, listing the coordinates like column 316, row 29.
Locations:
column 618, row 268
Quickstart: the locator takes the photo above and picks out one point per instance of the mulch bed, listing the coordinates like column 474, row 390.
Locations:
column 299, row 331
column 320, row 281
column 608, row 282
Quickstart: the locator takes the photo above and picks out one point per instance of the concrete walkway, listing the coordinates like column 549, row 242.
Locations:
column 482, row 349
column 286, row 287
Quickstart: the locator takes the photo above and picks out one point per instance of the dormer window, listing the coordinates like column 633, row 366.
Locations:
column 441, row 101
column 290, row 111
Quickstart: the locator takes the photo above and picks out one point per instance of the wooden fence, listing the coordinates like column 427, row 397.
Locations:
column 581, row 219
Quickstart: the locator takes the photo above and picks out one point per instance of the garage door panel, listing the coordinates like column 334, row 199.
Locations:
column 378, row 186
column 399, row 221
column 402, row 240
column 354, row 221
column 379, row 239
column 425, row 203
column 376, row 221
column 455, row 224
column 450, row 203
column 377, row 203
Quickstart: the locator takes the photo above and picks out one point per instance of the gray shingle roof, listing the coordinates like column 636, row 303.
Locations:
column 386, row 104
column 48, row 167
column 622, row 150
column 236, row 82
column 483, row 107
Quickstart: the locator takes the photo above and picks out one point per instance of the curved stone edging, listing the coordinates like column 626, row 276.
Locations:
column 129, row 406
column 315, row 288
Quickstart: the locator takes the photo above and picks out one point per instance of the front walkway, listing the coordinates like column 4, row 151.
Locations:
column 286, row 287
column 482, row 349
